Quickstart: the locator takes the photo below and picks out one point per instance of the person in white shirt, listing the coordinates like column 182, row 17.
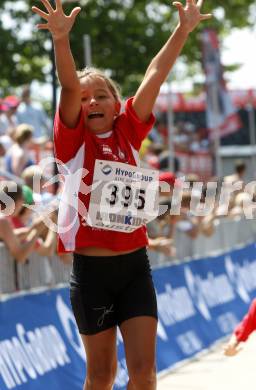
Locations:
column 239, row 174
column 34, row 115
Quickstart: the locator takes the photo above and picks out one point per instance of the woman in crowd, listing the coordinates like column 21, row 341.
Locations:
column 46, row 242
column 18, row 156
column 20, row 242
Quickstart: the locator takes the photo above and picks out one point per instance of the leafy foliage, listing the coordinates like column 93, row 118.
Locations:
column 125, row 35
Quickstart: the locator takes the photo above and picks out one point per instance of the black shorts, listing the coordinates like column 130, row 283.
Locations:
column 105, row 291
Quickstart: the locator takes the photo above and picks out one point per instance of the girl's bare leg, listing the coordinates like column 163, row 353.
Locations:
column 101, row 360
column 139, row 335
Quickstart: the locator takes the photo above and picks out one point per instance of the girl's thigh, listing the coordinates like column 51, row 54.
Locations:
column 139, row 335
column 100, row 350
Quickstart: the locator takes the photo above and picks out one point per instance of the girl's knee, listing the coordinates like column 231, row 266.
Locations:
column 143, row 374
column 101, row 377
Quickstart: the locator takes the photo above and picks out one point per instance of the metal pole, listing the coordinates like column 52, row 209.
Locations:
column 54, row 80
column 215, row 106
column 252, row 131
column 170, row 127
column 53, row 74
column 87, row 50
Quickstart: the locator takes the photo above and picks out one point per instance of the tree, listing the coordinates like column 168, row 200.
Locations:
column 125, row 34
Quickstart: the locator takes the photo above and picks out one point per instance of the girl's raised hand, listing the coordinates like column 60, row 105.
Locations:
column 190, row 15
column 57, row 22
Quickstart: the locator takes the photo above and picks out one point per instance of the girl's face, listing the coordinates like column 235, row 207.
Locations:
column 99, row 105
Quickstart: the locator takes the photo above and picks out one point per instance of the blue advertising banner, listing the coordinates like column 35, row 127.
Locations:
column 199, row 302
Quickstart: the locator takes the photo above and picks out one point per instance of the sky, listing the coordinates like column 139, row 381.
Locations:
column 238, row 47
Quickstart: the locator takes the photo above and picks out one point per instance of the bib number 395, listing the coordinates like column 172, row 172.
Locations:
column 126, row 196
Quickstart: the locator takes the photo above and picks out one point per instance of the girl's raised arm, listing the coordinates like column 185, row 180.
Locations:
column 60, row 26
column 162, row 63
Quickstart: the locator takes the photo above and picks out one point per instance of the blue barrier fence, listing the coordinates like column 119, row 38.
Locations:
column 199, row 302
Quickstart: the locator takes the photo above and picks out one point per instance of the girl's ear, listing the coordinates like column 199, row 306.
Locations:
column 118, row 107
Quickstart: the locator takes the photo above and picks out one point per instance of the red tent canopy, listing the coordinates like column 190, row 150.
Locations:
column 181, row 102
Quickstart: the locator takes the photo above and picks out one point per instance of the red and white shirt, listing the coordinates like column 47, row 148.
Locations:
column 76, row 151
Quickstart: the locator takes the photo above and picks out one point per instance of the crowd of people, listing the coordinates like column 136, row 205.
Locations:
column 187, row 136
column 24, row 129
column 226, row 197
column 23, row 124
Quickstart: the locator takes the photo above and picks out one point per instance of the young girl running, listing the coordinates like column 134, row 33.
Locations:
column 111, row 284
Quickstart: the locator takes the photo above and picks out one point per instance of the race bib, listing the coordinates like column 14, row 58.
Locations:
column 125, row 196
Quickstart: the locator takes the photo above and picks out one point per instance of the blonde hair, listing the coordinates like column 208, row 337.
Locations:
column 31, row 172
column 23, row 133
column 92, row 72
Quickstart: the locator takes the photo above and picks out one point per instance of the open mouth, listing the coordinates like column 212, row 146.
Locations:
column 94, row 115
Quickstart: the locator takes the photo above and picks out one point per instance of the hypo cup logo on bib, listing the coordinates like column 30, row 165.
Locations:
column 106, row 169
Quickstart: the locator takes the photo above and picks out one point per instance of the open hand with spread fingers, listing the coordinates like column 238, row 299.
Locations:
column 57, row 22
column 190, row 14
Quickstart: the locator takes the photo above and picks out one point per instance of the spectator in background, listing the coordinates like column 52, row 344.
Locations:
column 2, row 148
column 35, row 116
column 8, row 120
column 195, row 143
column 169, row 179
column 46, row 243
column 2, row 154
column 161, row 129
column 242, row 206
column 224, row 209
column 42, row 199
column 151, row 155
column 34, row 178
column 164, row 164
column 181, row 138
column 11, row 201
column 160, row 231
column 207, row 221
column 192, row 178
column 239, row 175
column 18, row 156
column 186, row 221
